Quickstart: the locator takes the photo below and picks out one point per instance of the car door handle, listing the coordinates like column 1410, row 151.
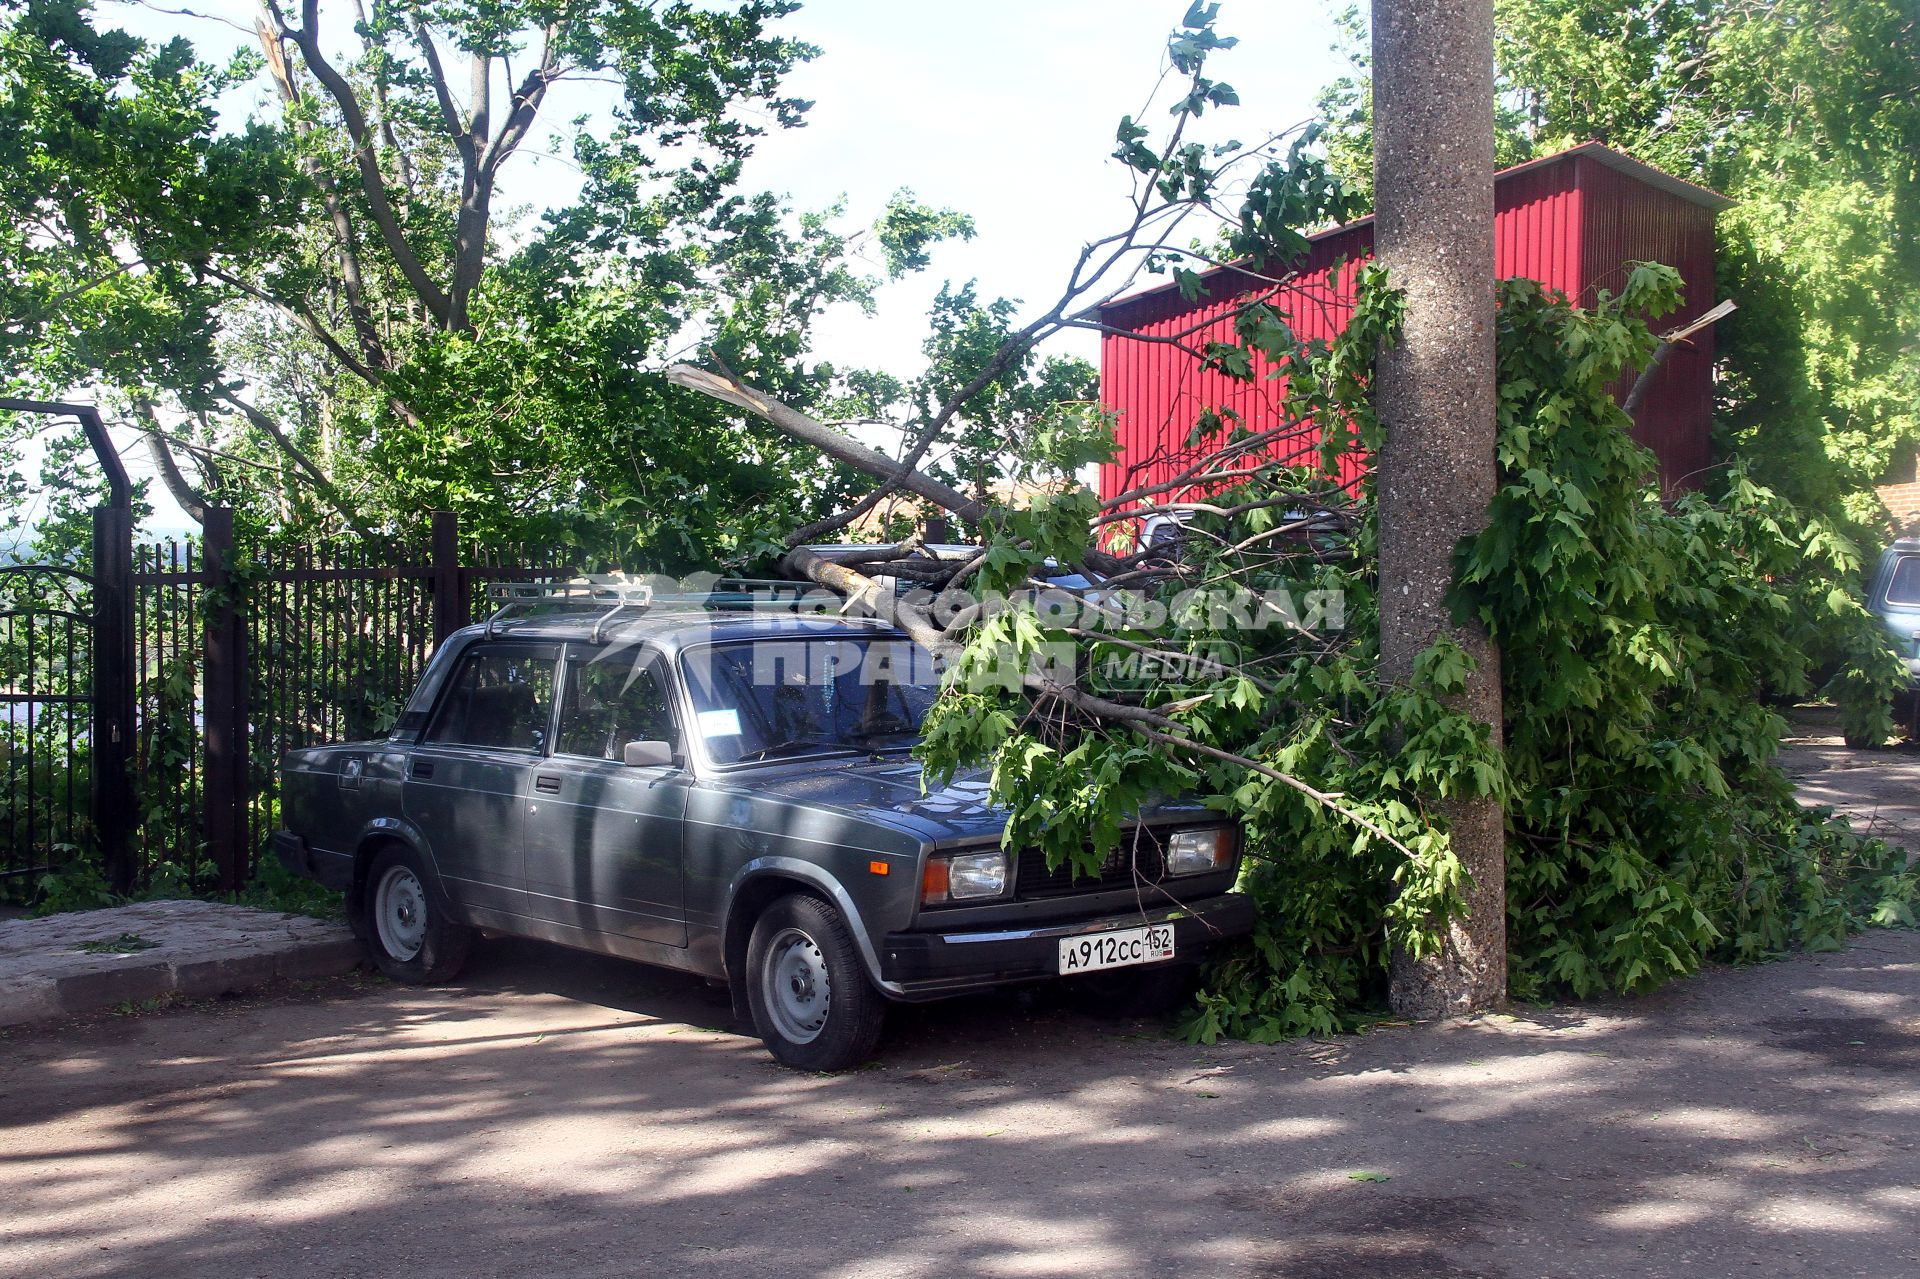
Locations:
column 421, row 768
column 546, row 785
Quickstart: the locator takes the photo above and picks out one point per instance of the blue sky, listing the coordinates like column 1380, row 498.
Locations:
column 1003, row 110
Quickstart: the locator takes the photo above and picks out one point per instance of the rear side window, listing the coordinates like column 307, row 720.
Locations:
column 1904, row 586
column 610, row 700
column 500, row 699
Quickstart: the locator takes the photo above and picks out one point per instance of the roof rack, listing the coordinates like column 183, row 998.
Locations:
column 615, row 593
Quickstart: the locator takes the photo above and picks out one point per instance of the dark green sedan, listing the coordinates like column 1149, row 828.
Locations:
column 729, row 791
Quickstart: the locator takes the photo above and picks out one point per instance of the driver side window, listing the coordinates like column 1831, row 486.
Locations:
column 610, row 700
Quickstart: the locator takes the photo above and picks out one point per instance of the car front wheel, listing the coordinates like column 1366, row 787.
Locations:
column 405, row 922
column 811, row 1003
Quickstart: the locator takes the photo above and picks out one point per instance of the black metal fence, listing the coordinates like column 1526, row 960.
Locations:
column 46, row 660
column 234, row 655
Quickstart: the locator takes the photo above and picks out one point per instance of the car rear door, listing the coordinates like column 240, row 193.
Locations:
column 467, row 780
column 604, row 842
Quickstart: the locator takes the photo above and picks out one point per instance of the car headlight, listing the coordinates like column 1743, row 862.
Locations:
column 964, row 877
column 1195, row 852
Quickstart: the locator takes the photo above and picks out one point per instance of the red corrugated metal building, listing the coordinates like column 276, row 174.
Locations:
column 1573, row 221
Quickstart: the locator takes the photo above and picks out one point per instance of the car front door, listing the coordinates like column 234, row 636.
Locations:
column 467, row 779
column 604, row 850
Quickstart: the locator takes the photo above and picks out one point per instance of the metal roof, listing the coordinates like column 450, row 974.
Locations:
column 1658, row 179
column 1599, row 152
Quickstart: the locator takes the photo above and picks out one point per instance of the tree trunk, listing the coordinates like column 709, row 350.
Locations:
column 469, row 249
column 1433, row 230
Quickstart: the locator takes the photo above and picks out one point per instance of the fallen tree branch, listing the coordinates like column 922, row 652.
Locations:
column 1163, row 731
column 858, row 589
column 836, row 445
column 843, row 448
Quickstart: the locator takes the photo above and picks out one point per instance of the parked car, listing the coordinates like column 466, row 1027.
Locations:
column 1894, row 597
column 726, row 790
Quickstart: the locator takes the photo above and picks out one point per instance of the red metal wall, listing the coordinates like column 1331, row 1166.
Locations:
column 1572, row 224
column 1159, row 390
column 1626, row 221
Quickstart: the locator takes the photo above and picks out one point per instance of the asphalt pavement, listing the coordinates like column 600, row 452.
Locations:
column 559, row 1115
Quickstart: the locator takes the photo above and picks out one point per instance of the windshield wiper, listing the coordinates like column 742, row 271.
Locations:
column 791, row 744
column 867, row 735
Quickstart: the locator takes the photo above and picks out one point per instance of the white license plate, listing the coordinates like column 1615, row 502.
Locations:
column 1121, row 948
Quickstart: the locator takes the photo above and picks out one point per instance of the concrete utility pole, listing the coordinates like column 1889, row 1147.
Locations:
column 1433, row 230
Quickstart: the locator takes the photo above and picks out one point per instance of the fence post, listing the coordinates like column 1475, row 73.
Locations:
column 224, row 706
column 449, row 595
column 111, row 738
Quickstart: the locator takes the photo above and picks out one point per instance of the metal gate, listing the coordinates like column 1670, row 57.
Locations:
column 46, row 669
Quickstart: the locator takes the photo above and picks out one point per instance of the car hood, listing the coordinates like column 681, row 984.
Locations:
column 890, row 792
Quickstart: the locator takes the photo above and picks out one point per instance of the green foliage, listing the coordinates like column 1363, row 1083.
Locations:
column 78, row 885
column 908, row 228
column 168, row 825
column 234, row 286
column 124, row 944
column 1649, row 829
column 120, row 193
column 274, row 887
column 1287, row 199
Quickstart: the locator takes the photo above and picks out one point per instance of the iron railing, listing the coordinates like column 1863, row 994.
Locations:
column 233, row 659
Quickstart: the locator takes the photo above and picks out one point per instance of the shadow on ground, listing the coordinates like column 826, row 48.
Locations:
column 565, row 1115
column 1878, row 790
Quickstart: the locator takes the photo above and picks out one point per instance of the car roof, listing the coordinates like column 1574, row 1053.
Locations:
column 673, row 628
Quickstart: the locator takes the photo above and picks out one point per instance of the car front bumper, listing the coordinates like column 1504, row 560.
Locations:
column 929, row 965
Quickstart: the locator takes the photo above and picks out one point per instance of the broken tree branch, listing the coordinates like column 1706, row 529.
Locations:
column 1637, row 397
column 838, row 446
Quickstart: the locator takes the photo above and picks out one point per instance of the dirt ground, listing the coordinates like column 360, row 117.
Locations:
column 558, row 1114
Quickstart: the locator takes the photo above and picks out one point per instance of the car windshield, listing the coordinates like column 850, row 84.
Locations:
column 784, row 698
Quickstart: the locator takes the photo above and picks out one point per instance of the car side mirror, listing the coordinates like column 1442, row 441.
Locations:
column 648, row 754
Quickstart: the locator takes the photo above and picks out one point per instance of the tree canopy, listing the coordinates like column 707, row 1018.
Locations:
column 329, row 318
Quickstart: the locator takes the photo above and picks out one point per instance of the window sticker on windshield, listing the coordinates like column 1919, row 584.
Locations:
column 724, row 723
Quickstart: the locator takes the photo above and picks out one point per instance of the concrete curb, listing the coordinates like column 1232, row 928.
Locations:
column 198, row 949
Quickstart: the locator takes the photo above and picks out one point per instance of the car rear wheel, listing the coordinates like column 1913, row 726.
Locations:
column 811, row 1002
column 405, row 922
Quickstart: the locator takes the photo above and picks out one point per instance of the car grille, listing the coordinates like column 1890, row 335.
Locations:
column 1138, row 861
